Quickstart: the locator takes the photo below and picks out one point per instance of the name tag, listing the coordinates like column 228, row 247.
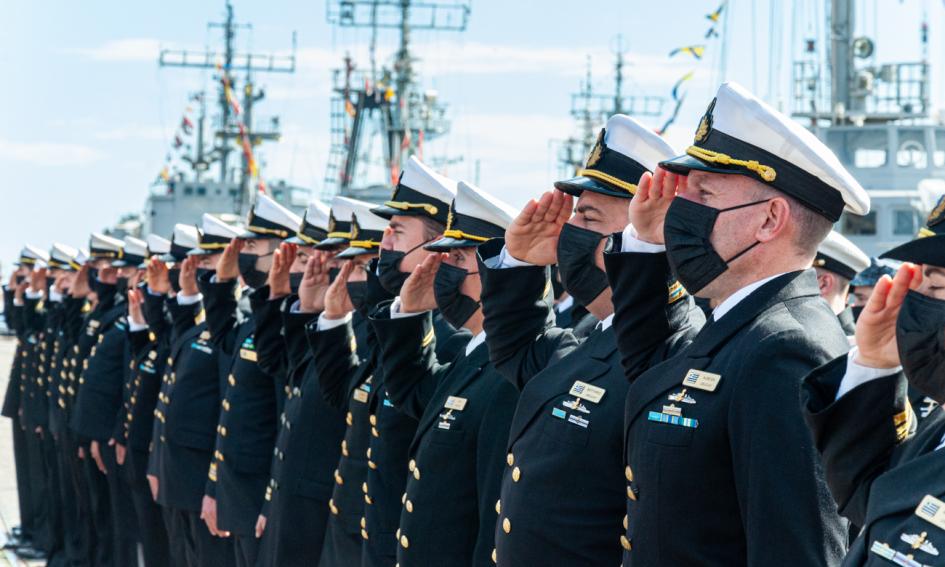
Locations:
column 702, row 380
column 455, row 403
column 932, row 510
column 587, row 392
column 360, row 396
column 247, row 354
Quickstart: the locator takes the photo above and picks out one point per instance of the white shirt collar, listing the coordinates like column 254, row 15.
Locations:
column 736, row 298
column 475, row 341
column 564, row 304
column 606, row 323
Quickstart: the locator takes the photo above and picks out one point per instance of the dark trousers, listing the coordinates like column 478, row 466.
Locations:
column 22, row 464
column 37, row 489
column 295, row 532
column 342, row 546
column 151, row 529
column 55, row 542
column 103, row 551
column 75, row 497
column 121, row 504
column 192, row 544
column 246, row 549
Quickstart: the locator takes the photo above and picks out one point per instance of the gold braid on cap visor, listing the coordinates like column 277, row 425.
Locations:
column 306, row 238
column 364, row 244
column 263, row 230
column 766, row 172
column 607, row 178
column 460, row 235
column 403, row 206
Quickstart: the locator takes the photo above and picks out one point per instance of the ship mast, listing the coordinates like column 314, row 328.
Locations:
column 227, row 63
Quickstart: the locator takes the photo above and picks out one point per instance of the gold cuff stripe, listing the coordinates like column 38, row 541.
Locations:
column 403, row 206
column 263, row 230
column 676, row 292
column 427, row 339
column 607, row 178
column 458, row 234
column 766, row 172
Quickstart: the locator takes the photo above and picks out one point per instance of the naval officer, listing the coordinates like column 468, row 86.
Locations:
column 884, row 471
column 837, row 262
column 714, row 434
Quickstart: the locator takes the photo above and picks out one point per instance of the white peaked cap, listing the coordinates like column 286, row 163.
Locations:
column 472, row 201
column 343, row 207
column 270, row 218
column 421, row 178
column 82, row 256
column 34, row 253
column 213, row 226
column 367, row 220
column 62, row 253
column 793, row 160
column 158, row 244
column 636, row 141
column 839, row 255
column 104, row 242
column 317, row 214
column 136, row 246
column 186, row 235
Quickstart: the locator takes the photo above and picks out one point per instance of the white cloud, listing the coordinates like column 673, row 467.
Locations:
column 49, row 154
column 127, row 49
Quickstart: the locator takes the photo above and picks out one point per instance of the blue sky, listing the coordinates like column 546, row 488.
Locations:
column 88, row 116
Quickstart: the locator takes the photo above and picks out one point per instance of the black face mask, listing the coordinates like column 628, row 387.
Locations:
column 121, row 287
column 920, row 337
column 366, row 294
column 455, row 307
column 50, row 282
column 577, row 251
column 20, row 279
column 357, row 291
column 333, row 274
column 556, row 287
column 173, row 275
column 105, row 292
column 856, row 309
column 254, row 278
column 388, row 269
column 93, row 275
column 295, row 281
column 686, row 230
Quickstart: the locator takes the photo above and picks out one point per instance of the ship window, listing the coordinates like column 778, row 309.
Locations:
column 905, row 222
column 860, row 226
column 912, row 152
column 188, row 190
column 201, row 191
column 865, row 148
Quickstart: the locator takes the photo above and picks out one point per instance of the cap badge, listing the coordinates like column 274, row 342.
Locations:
column 596, row 151
column 938, row 214
column 706, row 123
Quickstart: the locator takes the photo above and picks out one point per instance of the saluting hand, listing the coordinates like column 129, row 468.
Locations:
column 416, row 295
column 135, row 313
column 315, row 283
column 38, row 280
column 533, row 235
column 228, row 266
column 282, row 260
column 655, row 193
column 188, row 276
column 337, row 301
column 80, row 288
column 876, row 327
column 159, row 279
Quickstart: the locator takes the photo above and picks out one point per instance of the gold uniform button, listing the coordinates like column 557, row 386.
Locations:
column 498, row 506
column 374, row 432
column 630, row 493
column 367, row 499
column 409, row 506
column 364, row 534
column 625, row 521
column 338, row 478
column 332, row 507
column 397, row 534
column 373, row 419
column 349, row 419
column 403, row 498
column 625, row 543
column 364, row 487
column 372, row 465
column 411, row 465
column 510, row 459
column 493, row 556
column 506, row 525
column 416, row 473
column 363, row 522
column 231, row 380
column 344, row 448
column 628, row 473
column 404, row 542
column 516, row 474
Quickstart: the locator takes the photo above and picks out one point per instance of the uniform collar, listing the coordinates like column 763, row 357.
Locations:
column 475, row 342
column 736, row 298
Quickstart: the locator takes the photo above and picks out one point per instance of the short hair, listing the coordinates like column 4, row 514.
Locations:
column 812, row 227
column 431, row 228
